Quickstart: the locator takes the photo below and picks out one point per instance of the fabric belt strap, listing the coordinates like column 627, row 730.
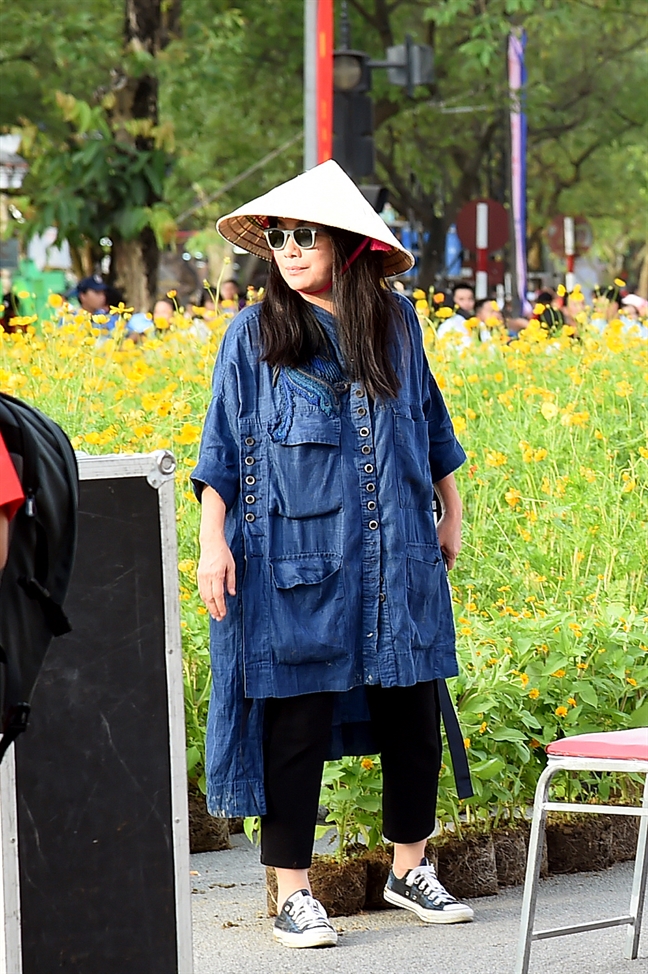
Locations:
column 455, row 742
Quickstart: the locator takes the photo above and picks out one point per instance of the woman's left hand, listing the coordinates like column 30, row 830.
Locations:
column 449, row 533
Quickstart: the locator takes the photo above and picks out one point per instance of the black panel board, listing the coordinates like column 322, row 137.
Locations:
column 93, row 771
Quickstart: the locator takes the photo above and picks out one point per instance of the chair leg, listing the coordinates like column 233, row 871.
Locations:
column 631, row 948
column 534, row 863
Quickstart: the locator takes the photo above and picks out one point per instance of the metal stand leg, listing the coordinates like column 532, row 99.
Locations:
column 631, row 948
column 534, row 862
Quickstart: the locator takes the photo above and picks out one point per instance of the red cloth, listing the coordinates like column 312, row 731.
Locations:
column 626, row 745
column 11, row 493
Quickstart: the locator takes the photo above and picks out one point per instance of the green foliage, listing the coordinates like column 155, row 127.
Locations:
column 352, row 793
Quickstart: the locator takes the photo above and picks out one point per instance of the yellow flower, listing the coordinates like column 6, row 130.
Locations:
column 418, row 294
column 172, row 293
column 495, row 459
column 466, row 742
column 188, row 434
column 571, row 701
column 483, row 727
column 534, row 693
column 623, row 389
column 367, row 764
column 513, row 497
column 561, row 290
column 445, row 313
column 524, row 679
column 643, row 452
column 187, row 566
column 439, row 297
column 161, row 322
column 549, row 410
column 561, row 711
column 459, row 424
column 631, row 681
column 559, row 674
column 582, row 666
column 619, row 282
column 538, row 308
column 55, row 300
column 23, row 295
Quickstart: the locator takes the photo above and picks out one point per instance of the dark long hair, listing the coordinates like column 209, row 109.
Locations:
column 367, row 314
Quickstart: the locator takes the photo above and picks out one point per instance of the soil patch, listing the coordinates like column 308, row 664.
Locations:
column 378, row 862
column 625, row 835
column 206, row 833
column 467, row 866
column 340, row 887
column 510, row 855
column 581, row 843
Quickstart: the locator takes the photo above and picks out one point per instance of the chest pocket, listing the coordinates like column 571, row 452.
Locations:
column 305, row 474
column 412, row 441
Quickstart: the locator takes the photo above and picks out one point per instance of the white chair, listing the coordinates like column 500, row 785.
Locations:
column 619, row 751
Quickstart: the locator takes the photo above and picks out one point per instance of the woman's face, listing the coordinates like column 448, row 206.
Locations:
column 305, row 270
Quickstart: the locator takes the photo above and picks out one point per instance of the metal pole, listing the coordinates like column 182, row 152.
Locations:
column 310, row 83
column 481, row 276
column 570, row 250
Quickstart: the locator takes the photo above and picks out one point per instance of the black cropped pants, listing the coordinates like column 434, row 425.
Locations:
column 406, row 726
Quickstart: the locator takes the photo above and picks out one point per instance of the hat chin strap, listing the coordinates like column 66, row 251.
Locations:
column 356, row 253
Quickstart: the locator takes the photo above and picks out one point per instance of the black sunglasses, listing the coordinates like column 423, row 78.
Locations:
column 304, row 237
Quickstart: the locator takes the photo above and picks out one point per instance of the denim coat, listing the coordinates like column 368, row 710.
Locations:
column 340, row 578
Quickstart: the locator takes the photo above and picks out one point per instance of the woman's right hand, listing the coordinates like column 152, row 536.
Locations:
column 216, row 575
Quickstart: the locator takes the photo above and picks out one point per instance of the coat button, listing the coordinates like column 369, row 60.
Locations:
column 371, row 505
column 250, row 480
column 250, row 517
column 249, row 441
column 373, row 525
column 362, row 411
column 359, row 392
column 250, row 498
column 366, row 449
column 369, row 468
column 371, row 488
column 382, row 596
column 249, row 461
column 364, row 431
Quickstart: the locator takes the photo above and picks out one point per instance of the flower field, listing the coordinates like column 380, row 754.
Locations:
column 550, row 588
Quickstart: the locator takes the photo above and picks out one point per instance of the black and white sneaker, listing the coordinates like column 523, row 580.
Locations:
column 303, row 922
column 421, row 892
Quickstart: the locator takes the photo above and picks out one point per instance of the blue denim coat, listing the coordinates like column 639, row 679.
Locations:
column 340, row 578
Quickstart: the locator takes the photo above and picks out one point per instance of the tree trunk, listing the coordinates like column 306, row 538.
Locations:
column 149, row 25
column 135, row 270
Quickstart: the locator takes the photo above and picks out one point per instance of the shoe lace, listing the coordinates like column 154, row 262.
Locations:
column 425, row 879
column 307, row 911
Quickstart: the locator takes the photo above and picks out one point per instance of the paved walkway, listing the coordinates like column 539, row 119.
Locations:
column 232, row 934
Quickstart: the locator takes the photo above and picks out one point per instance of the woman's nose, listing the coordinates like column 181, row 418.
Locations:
column 291, row 249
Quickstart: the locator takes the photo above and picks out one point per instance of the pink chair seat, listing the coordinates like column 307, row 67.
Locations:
column 622, row 745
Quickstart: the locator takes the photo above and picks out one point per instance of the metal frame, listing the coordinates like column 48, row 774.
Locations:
column 541, row 806
column 10, row 934
column 159, row 469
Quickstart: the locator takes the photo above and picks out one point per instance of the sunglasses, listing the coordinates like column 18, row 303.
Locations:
column 304, row 237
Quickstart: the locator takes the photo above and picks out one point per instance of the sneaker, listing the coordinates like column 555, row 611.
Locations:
column 303, row 922
column 421, row 892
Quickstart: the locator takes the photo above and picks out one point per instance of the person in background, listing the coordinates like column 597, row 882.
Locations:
column 490, row 318
column 463, row 296
column 11, row 498
column 91, row 292
column 163, row 311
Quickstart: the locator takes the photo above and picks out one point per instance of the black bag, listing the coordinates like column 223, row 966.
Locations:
column 42, row 543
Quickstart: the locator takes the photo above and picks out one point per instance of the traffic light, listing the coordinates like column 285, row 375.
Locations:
column 353, row 124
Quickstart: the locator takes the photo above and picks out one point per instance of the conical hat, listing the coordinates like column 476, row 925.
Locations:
column 324, row 195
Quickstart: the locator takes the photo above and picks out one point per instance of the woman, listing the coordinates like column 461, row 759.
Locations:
column 320, row 562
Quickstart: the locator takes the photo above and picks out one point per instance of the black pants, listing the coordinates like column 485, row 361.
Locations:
column 405, row 724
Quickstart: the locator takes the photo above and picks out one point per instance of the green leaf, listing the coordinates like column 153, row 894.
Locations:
column 587, row 693
column 640, row 717
column 508, row 734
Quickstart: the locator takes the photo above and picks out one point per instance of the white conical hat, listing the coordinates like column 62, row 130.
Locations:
column 324, row 195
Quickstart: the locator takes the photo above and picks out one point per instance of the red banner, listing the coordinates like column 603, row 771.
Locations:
column 325, row 38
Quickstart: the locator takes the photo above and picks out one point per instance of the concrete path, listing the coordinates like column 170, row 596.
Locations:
column 232, row 934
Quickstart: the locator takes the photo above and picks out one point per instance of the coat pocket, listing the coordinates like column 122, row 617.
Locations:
column 307, row 611
column 412, row 440
column 305, row 473
column 425, row 578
